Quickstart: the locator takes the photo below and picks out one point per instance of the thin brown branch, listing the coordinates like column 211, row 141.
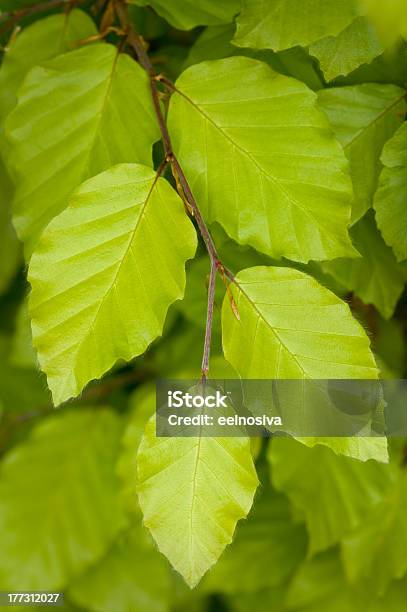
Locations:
column 140, row 48
column 209, row 320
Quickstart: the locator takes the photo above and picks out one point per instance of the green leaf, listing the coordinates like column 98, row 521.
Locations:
column 320, row 586
column 192, row 492
column 215, row 43
column 189, row 13
column 265, row 164
column 377, row 549
column 266, row 550
column 339, row 55
column 280, row 24
column 390, row 199
column 334, row 493
column 132, row 576
column 100, row 113
column 59, row 506
column 104, row 274
column 304, row 329
column 389, row 67
column 364, row 117
column 376, row 278
column 37, row 43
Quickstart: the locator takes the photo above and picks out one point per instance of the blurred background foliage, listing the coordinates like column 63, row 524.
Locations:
column 325, row 534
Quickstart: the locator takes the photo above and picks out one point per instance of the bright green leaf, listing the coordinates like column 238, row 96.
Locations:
column 265, row 164
column 59, row 508
column 37, row 43
column 391, row 196
column 289, row 326
column 280, row 24
column 131, row 577
column 292, row 327
column 376, row 278
column 104, row 274
column 339, row 55
column 192, row 492
column 334, row 493
column 364, row 117
column 77, row 115
column 190, row 13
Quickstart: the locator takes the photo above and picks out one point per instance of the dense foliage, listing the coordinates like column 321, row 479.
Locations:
column 226, row 178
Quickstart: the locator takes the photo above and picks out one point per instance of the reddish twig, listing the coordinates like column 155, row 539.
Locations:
column 209, row 320
column 139, row 47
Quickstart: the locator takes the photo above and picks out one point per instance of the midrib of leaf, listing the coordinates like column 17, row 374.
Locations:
column 197, row 449
column 367, row 127
column 119, row 267
column 193, row 498
column 102, row 111
column 274, row 180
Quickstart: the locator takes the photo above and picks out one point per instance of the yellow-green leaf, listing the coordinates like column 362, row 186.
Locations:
column 77, row 115
column 104, row 274
column 391, row 197
column 290, row 326
column 280, row 24
column 265, row 163
column 192, row 492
